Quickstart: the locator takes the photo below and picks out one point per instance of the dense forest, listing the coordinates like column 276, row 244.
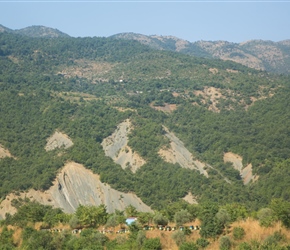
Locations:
column 78, row 85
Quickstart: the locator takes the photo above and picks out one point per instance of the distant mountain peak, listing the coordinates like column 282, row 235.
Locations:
column 36, row 31
column 41, row 31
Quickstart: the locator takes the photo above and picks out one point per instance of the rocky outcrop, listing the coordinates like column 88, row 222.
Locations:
column 76, row 185
column 115, row 146
column 178, row 153
column 237, row 161
column 58, row 140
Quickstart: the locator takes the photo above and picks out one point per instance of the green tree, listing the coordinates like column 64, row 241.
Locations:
column 202, row 242
column 152, row 244
column 225, row 243
column 188, row 246
column 6, row 239
column 181, row 217
column 210, row 226
column 223, row 217
column 281, row 209
column 131, row 211
column 112, row 221
column 266, row 217
column 159, row 219
column 179, row 237
column 92, row 215
column 145, row 218
column 238, row 233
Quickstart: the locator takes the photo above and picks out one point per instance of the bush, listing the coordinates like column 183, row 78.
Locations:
column 225, row 243
column 188, row 246
column 152, row 244
column 274, row 239
column 202, row 242
column 266, row 217
column 179, row 237
column 238, row 233
column 245, row 246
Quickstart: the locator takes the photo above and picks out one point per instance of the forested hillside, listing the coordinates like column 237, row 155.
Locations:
column 258, row 54
column 85, row 87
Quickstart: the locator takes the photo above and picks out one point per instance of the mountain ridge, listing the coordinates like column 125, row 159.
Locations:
column 257, row 53
column 251, row 53
column 35, row 31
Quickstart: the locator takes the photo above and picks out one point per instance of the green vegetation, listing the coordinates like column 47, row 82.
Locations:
column 95, row 230
column 78, row 85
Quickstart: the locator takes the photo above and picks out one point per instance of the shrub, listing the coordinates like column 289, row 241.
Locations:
column 238, row 233
column 274, row 239
column 188, row 246
column 266, row 217
column 225, row 243
column 202, row 242
column 152, row 244
column 244, row 246
column 179, row 237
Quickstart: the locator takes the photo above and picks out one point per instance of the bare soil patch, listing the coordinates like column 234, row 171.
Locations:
column 167, row 108
column 4, row 152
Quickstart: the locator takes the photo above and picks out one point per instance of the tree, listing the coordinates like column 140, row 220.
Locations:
column 238, row 233
column 141, row 237
column 281, row 209
column 179, row 237
column 152, row 244
column 159, row 219
column 266, row 217
column 223, row 217
column 145, row 218
column 181, row 217
column 131, row 211
column 6, row 239
column 202, row 242
column 225, row 243
column 210, row 226
column 92, row 215
column 188, row 246
column 112, row 221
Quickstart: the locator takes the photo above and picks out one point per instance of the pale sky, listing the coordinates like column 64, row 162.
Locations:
column 233, row 21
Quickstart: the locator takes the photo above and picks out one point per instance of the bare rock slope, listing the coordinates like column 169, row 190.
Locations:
column 178, row 153
column 237, row 161
column 58, row 140
column 76, row 185
column 115, row 146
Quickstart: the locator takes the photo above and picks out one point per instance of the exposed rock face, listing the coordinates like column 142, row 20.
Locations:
column 76, row 185
column 237, row 161
column 178, row 153
column 58, row 140
column 115, row 146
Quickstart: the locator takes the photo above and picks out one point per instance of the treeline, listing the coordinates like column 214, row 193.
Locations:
column 91, row 227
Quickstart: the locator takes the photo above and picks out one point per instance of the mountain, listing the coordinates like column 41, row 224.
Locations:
column 257, row 54
column 4, row 29
column 36, row 31
column 157, row 124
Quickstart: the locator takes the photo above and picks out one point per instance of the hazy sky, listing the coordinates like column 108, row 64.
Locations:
column 234, row 21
